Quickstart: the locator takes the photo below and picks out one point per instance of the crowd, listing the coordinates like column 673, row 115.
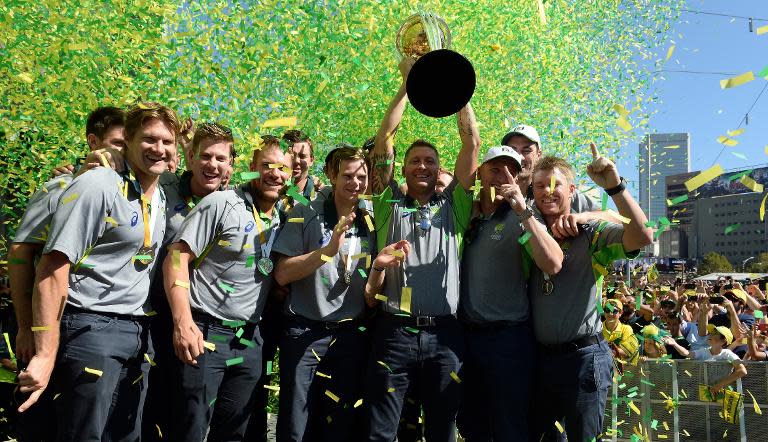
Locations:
column 151, row 303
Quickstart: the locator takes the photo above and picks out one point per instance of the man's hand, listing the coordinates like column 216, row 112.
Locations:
column 405, row 66
column 188, row 341
column 63, row 170
column 602, row 170
column 186, row 134
column 566, row 226
column 337, row 239
column 35, row 379
column 25, row 344
column 511, row 192
column 106, row 157
column 392, row 255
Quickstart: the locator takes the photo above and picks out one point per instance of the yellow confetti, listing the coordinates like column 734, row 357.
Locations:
column 623, row 219
column 275, row 165
column 754, row 403
column 542, row 13
column 688, row 373
column 296, row 220
column 762, row 208
column 326, row 258
column 405, row 300
column 704, row 177
column 391, row 390
column 364, row 197
column 398, row 253
column 727, row 141
column 209, row 345
column 141, row 376
column 40, row 328
column 624, row 124
column 369, row 222
column 634, row 408
column 181, row 283
column 316, row 356
column 331, row 395
column 56, row 396
column 380, row 297
column 455, row 377
column 281, row 122
column 358, row 403
column 159, row 433
column 737, row 80
column 674, row 146
column 323, row 375
column 224, row 243
column 736, row 133
column 493, row 192
column 69, row 199
column 751, row 184
column 762, row 30
column 272, row 387
column 686, row 433
column 77, row 46
column 669, row 52
column 110, row 220
column 321, row 87
column 559, row 427
column 551, row 184
column 26, row 78
column 94, row 372
column 621, row 110
column 149, row 359
column 384, row 364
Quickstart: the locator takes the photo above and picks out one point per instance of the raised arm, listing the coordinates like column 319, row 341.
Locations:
column 466, row 162
column 604, row 173
column 47, row 301
column 383, row 154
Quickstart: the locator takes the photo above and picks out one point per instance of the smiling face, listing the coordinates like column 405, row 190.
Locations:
column 421, row 169
column 530, row 151
column 302, row 160
column 271, row 163
column 351, row 181
column 210, row 165
column 152, row 148
column 552, row 201
column 492, row 173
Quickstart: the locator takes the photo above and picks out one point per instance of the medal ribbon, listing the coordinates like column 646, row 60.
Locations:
column 266, row 249
column 350, row 252
column 145, row 215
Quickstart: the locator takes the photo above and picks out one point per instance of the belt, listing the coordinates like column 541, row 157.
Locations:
column 420, row 321
column 573, row 345
column 209, row 319
column 328, row 325
column 72, row 309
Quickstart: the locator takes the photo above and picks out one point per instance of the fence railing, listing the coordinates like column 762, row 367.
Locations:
column 659, row 400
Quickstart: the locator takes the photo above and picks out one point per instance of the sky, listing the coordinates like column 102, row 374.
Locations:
column 695, row 103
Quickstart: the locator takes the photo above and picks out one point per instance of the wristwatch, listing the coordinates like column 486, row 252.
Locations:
column 614, row 190
column 527, row 213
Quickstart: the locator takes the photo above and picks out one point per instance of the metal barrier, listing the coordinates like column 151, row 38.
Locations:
column 680, row 416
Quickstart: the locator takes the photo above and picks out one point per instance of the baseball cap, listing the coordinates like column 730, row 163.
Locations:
column 725, row 332
column 503, row 151
column 524, row 130
column 617, row 305
column 738, row 293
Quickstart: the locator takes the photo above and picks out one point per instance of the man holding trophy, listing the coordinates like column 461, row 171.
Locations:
column 416, row 335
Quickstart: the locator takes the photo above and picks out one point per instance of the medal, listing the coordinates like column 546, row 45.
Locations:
column 548, row 287
column 347, row 278
column 265, row 266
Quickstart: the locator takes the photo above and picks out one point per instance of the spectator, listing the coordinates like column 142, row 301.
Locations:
column 682, row 334
column 621, row 338
column 719, row 338
column 653, row 346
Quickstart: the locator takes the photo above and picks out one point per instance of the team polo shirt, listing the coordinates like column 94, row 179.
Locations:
column 572, row 310
column 624, row 338
column 226, row 239
column 99, row 226
column 493, row 284
column 324, row 295
column 35, row 223
column 431, row 269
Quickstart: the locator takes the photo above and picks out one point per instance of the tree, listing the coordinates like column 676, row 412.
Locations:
column 759, row 265
column 714, row 262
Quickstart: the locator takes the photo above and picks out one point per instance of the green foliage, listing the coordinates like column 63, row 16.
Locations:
column 760, row 264
column 714, row 262
column 331, row 64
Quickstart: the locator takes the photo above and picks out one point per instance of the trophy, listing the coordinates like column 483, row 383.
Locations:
column 442, row 81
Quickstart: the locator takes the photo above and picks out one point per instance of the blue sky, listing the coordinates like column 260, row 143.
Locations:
column 695, row 103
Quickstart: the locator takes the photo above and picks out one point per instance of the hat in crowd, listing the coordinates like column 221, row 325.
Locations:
column 650, row 330
column 504, row 151
column 725, row 332
column 524, row 130
column 617, row 304
column 668, row 303
column 738, row 293
column 690, row 292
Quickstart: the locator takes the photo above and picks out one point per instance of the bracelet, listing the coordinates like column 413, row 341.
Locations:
column 377, row 269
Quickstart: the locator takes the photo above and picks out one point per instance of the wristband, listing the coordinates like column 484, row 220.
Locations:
column 614, row 190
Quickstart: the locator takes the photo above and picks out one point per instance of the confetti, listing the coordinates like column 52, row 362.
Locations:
column 149, row 359
column 704, row 177
column 181, row 283
column 69, row 199
column 737, row 80
column 234, row 361
column 762, row 30
column 248, row 176
column 455, row 377
column 40, row 328
column 209, row 345
column 405, row 299
column 296, row 220
column 358, row 403
column 369, row 222
column 559, row 427
column 762, row 208
column 669, row 52
column 94, row 372
column 326, row 258
column 281, row 122
column 727, row 141
column 383, row 364
column 677, row 200
column 736, row 133
column 751, row 184
column 226, row 287
column 732, row 228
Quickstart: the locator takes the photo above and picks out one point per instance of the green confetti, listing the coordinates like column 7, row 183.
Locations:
column 249, row 261
column 362, row 328
column 362, row 273
column 239, row 333
column 248, row 176
column 269, row 367
column 732, row 228
column 247, row 343
column 213, row 401
column 524, row 238
column 678, row 200
column 604, row 201
column 233, row 324
column 218, row 338
column 226, row 287
column 234, row 361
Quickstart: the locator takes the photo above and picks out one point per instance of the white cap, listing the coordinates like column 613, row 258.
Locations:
column 526, row 131
column 504, row 151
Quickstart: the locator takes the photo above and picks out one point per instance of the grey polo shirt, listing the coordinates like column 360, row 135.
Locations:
column 431, row 270
column 224, row 235
column 493, row 284
column 571, row 312
column 324, row 295
column 99, row 226
column 35, row 223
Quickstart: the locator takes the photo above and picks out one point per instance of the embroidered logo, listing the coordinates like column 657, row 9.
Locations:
column 497, row 231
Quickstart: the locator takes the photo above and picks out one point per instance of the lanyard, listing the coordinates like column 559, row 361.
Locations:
column 350, row 252
column 266, row 248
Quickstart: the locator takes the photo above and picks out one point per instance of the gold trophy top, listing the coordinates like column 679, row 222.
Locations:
column 421, row 33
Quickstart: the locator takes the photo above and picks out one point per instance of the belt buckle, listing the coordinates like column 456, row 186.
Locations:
column 425, row 321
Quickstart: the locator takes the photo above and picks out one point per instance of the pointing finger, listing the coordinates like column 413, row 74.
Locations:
column 510, row 178
column 595, row 153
